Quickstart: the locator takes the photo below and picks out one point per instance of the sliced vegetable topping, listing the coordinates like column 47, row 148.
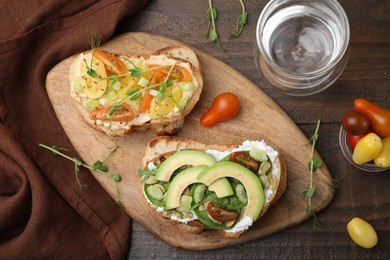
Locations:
column 106, row 82
column 112, row 64
column 218, row 194
column 94, row 87
column 118, row 113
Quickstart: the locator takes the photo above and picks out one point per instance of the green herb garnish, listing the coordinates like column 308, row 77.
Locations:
column 212, row 33
column 241, row 21
column 313, row 165
column 98, row 166
column 94, row 43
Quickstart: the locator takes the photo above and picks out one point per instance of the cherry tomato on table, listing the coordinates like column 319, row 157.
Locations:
column 362, row 233
column 379, row 118
column 354, row 139
column 355, row 123
column 224, row 107
column 367, row 148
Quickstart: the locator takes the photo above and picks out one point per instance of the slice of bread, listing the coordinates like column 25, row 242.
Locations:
column 160, row 148
column 166, row 125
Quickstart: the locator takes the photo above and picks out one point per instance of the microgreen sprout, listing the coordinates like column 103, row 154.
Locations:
column 166, row 83
column 212, row 33
column 314, row 164
column 241, row 21
column 98, row 166
column 94, row 43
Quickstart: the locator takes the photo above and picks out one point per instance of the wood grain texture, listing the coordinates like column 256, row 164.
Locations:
column 260, row 118
column 367, row 75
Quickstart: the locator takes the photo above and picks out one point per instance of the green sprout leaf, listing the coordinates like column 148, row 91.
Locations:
column 116, row 177
column 98, row 166
column 313, row 165
column 212, row 33
column 315, row 162
column 309, row 192
column 92, row 73
column 241, row 21
column 213, row 36
column 136, row 72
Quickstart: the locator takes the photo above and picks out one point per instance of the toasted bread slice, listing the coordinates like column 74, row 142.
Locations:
column 164, row 125
column 160, row 148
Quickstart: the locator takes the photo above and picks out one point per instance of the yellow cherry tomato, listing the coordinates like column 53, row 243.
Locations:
column 161, row 107
column 383, row 158
column 95, row 87
column 362, row 233
column 367, row 148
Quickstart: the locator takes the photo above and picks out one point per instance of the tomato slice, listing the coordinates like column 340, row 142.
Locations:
column 146, row 101
column 245, row 159
column 113, row 64
column 181, row 74
column 220, row 214
column 178, row 73
column 124, row 114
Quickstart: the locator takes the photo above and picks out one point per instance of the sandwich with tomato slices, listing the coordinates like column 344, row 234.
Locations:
column 118, row 94
column 203, row 187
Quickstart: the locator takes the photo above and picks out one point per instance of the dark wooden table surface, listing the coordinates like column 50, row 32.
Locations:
column 366, row 75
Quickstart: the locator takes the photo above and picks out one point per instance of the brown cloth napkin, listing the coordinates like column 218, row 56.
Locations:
column 43, row 212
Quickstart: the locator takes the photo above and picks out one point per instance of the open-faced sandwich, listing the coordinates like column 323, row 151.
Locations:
column 117, row 94
column 220, row 187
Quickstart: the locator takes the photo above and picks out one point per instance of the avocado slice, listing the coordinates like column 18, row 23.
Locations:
column 187, row 177
column 179, row 183
column 182, row 158
column 250, row 181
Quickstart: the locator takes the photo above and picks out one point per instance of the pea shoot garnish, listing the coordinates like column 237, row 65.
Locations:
column 212, row 33
column 94, row 43
column 98, row 166
column 314, row 164
column 241, row 21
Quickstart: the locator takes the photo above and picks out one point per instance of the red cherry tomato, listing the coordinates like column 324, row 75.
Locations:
column 122, row 114
column 355, row 123
column 113, row 64
column 354, row 139
column 224, row 107
column 379, row 117
column 221, row 214
column 245, row 159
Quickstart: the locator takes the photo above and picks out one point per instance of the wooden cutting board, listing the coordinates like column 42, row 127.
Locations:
column 259, row 118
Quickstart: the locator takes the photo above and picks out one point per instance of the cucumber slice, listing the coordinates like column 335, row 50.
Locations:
column 143, row 82
column 91, row 104
column 155, row 192
column 108, row 97
column 185, row 202
column 258, row 154
column 116, row 86
column 186, row 86
column 241, row 193
column 199, row 193
column 78, row 84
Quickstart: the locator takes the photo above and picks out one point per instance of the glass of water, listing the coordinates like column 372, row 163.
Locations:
column 302, row 46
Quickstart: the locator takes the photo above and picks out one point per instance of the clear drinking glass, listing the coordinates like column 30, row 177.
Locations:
column 302, row 46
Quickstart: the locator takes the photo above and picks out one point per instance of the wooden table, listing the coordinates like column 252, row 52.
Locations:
column 367, row 75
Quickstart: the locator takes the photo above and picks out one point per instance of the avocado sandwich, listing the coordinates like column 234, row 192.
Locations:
column 219, row 187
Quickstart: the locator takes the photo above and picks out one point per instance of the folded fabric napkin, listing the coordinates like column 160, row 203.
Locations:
column 43, row 212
